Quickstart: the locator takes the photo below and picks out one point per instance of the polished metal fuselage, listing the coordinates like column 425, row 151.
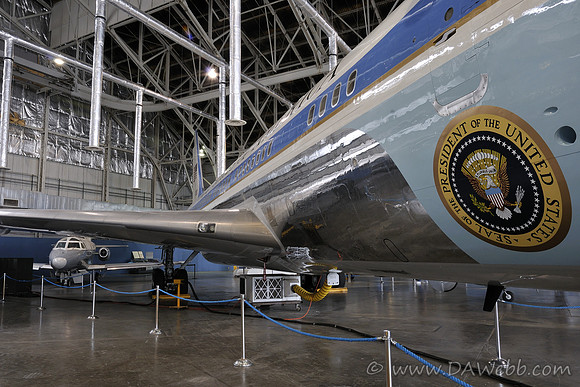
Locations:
column 355, row 189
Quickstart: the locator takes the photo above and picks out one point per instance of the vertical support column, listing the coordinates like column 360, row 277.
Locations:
column 156, row 331
column 332, row 52
column 243, row 362
column 500, row 364
column 4, row 288
column 221, row 125
column 6, row 96
column 41, row 307
column 97, row 86
column 93, row 316
column 137, row 139
column 388, row 366
column 43, row 156
column 235, row 64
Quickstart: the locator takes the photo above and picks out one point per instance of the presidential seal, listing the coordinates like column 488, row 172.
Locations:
column 500, row 181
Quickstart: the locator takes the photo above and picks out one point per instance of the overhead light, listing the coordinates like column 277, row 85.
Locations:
column 212, row 74
column 58, row 61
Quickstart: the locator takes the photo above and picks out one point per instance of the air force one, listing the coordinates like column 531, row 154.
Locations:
column 75, row 254
column 442, row 147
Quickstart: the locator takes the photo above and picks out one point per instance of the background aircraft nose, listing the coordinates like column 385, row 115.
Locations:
column 58, row 263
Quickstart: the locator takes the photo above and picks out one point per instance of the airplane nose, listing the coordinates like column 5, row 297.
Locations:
column 58, row 263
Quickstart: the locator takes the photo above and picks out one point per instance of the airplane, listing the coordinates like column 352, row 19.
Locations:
column 443, row 147
column 74, row 254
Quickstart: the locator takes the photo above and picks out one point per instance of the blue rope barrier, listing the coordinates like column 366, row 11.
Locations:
column 425, row 362
column 67, row 287
column 198, row 301
column 541, row 306
column 311, row 334
column 120, row 292
column 17, row 280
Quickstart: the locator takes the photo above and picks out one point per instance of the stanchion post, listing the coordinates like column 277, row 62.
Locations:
column 388, row 367
column 41, row 307
column 243, row 362
column 92, row 316
column 4, row 289
column 156, row 331
column 500, row 364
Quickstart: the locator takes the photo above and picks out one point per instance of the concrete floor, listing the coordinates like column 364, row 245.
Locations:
column 61, row 347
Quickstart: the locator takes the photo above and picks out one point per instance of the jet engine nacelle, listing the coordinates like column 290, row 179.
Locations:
column 104, row 253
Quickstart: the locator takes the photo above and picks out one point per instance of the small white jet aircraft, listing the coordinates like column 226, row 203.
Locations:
column 74, row 254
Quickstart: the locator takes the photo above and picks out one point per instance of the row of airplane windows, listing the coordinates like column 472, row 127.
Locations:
column 260, row 156
column 267, row 148
column 350, row 84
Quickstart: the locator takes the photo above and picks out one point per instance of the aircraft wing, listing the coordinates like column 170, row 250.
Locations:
column 38, row 266
column 127, row 265
column 237, row 232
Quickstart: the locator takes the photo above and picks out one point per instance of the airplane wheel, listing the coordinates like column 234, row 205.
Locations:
column 158, row 277
column 309, row 282
column 183, row 276
column 507, row 296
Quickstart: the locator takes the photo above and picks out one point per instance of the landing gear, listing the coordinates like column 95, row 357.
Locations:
column 165, row 278
column 507, row 296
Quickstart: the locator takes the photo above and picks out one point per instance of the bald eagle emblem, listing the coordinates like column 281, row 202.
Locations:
column 486, row 170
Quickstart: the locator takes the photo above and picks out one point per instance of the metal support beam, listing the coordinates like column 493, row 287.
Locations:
column 182, row 41
column 327, row 28
column 5, row 104
column 235, row 64
column 137, row 140
column 169, row 102
column 97, row 84
column 221, row 130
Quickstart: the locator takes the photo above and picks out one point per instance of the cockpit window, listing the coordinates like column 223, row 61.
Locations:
column 74, row 245
column 61, row 245
column 351, row 83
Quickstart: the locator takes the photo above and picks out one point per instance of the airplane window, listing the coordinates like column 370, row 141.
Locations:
column 82, row 245
column 60, row 245
column 335, row 95
column 351, row 83
column 322, row 108
column 311, row 115
column 270, row 148
column 448, row 14
column 74, row 245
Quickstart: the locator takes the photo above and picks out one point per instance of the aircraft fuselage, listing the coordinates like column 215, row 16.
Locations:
column 450, row 153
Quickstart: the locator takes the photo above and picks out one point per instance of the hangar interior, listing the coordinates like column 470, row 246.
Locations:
column 283, row 48
column 48, row 163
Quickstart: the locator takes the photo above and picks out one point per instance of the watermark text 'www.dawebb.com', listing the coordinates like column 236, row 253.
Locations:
column 459, row 370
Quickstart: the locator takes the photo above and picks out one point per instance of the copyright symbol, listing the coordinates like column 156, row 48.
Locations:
column 374, row 368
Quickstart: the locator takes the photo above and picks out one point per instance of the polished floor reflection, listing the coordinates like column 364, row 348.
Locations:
column 60, row 346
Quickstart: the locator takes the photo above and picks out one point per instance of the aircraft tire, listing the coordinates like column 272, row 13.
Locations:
column 341, row 281
column 182, row 275
column 507, row 296
column 309, row 282
column 158, row 277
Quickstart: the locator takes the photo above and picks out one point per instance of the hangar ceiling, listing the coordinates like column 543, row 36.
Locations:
column 282, row 48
